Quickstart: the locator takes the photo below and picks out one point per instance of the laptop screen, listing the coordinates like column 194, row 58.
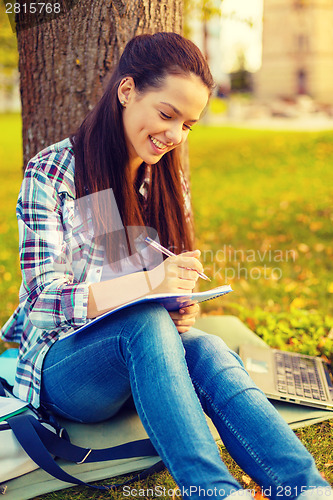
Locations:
column 329, row 378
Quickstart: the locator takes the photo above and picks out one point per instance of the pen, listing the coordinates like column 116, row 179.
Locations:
column 164, row 250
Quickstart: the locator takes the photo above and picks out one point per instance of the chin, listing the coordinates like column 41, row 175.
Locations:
column 152, row 159
column 156, row 160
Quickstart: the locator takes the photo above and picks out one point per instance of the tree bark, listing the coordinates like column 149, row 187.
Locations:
column 65, row 62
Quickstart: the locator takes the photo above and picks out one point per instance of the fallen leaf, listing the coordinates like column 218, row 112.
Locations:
column 246, row 479
column 319, row 247
column 322, row 342
column 251, row 323
column 298, row 303
column 303, row 248
column 290, row 286
column 315, row 226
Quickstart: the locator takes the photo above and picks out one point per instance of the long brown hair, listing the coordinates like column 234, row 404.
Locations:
column 100, row 150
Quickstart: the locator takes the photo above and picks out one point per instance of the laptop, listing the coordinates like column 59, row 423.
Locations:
column 288, row 376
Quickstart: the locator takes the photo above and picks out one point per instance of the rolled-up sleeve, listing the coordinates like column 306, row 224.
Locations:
column 54, row 298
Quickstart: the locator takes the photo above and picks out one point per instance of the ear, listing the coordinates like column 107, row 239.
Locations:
column 126, row 90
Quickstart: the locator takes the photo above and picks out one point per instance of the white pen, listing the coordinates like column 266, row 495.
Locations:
column 164, row 250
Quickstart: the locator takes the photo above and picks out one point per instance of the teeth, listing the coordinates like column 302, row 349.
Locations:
column 157, row 143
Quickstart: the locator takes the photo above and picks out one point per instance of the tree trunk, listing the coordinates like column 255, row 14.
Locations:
column 65, row 62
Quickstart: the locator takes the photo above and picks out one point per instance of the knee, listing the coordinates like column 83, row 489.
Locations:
column 150, row 327
column 212, row 363
column 151, row 317
column 203, row 347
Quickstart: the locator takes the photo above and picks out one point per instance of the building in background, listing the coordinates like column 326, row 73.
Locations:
column 205, row 32
column 9, row 77
column 297, row 50
column 10, row 101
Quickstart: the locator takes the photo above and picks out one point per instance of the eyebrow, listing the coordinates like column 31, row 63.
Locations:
column 177, row 111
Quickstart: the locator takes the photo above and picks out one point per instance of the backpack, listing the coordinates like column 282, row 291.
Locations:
column 32, row 439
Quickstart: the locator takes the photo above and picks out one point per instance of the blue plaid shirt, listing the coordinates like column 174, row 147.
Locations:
column 58, row 263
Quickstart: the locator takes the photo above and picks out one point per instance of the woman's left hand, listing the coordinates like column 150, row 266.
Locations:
column 184, row 320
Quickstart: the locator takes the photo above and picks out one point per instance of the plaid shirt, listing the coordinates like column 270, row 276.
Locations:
column 58, row 263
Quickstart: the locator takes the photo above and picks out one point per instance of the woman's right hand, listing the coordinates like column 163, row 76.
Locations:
column 176, row 274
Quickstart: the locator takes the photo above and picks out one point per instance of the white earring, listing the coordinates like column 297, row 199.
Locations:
column 122, row 103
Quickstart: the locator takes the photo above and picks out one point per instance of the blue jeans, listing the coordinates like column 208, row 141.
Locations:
column 173, row 380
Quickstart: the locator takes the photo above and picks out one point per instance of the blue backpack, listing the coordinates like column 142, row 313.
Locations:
column 31, row 439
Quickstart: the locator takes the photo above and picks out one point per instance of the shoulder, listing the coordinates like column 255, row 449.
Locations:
column 54, row 165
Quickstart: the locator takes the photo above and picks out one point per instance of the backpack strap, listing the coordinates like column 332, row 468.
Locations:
column 3, row 384
column 40, row 444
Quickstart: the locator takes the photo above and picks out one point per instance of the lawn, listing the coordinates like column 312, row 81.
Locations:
column 265, row 199
column 11, row 176
column 263, row 205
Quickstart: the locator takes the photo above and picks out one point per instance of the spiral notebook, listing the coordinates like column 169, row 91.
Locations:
column 171, row 301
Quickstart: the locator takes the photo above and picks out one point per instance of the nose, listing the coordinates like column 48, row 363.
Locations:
column 174, row 134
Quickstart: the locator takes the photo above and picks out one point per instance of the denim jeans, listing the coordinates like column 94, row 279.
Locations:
column 173, row 379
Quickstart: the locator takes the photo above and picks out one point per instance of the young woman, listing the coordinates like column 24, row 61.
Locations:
column 79, row 201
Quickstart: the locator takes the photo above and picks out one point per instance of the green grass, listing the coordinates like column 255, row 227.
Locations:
column 263, row 203
column 265, row 198
column 264, row 223
column 217, row 106
column 11, row 176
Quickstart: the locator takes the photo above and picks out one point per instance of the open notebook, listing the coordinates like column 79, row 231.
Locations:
column 171, row 301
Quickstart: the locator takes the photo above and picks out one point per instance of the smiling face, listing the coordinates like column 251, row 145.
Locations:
column 159, row 119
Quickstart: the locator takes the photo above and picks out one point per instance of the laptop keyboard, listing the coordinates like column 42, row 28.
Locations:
column 297, row 376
